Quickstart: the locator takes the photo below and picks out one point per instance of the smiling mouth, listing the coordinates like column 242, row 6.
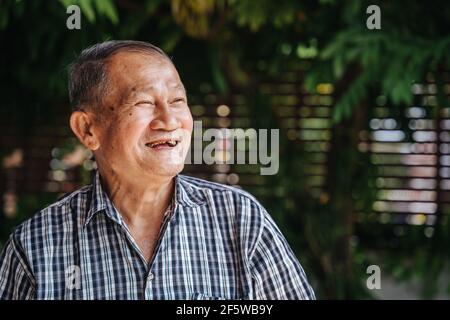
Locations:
column 166, row 143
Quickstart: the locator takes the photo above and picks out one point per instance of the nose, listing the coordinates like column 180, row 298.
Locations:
column 165, row 119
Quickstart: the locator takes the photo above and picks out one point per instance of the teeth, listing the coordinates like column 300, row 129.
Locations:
column 171, row 143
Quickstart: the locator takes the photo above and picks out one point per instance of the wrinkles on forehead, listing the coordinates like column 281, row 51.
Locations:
column 138, row 90
column 131, row 74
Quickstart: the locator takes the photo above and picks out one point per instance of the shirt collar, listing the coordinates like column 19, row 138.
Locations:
column 186, row 195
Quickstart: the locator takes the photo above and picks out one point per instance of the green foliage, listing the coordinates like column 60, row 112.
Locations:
column 388, row 62
column 255, row 14
column 104, row 8
column 390, row 59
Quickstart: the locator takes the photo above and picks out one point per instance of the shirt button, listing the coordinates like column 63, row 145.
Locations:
column 151, row 276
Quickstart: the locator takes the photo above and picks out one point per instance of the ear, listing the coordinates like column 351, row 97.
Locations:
column 81, row 123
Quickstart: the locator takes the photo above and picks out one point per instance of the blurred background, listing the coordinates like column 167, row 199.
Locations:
column 364, row 119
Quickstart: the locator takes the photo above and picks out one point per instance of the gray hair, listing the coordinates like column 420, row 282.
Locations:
column 88, row 73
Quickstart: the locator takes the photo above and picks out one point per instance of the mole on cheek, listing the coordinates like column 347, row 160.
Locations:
column 130, row 113
column 111, row 108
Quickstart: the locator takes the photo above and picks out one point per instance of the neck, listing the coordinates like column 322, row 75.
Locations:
column 138, row 199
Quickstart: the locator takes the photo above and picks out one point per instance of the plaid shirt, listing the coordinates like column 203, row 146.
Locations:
column 217, row 242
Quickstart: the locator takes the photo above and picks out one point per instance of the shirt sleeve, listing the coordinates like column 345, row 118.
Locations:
column 276, row 272
column 16, row 279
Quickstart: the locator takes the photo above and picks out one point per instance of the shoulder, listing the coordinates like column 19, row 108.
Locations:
column 217, row 192
column 232, row 206
column 53, row 220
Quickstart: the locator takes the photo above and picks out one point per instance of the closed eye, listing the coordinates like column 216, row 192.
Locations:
column 145, row 102
column 178, row 100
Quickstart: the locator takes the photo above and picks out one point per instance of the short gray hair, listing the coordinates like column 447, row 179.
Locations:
column 88, row 73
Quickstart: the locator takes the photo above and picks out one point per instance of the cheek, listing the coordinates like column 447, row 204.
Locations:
column 122, row 134
column 186, row 120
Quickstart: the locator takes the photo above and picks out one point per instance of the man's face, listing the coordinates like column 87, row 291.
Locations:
column 146, row 123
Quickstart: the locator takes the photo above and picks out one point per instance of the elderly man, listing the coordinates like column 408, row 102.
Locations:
column 142, row 230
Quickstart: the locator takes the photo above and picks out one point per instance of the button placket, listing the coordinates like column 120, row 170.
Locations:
column 149, row 286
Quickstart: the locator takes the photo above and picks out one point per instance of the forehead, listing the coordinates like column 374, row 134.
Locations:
column 141, row 69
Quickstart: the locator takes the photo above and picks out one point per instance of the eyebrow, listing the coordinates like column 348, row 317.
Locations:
column 180, row 86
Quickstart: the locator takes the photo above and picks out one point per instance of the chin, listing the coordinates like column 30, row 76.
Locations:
column 168, row 170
